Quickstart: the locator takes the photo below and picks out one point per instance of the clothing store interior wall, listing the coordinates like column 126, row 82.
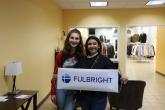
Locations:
column 31, row 30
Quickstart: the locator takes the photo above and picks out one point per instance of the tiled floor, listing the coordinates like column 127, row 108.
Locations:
column 154, row 93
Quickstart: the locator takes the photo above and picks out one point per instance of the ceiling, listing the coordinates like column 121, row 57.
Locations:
column 84, row 4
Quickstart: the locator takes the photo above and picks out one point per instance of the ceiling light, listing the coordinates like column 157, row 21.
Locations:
column 95, row 4
column 156, row 2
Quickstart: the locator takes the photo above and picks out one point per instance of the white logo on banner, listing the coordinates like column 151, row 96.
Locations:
column 88, row 79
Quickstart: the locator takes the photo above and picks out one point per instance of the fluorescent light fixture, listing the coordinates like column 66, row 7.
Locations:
column 156, row 2
column 101, row 4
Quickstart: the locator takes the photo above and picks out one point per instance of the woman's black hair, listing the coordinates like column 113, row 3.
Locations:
column 86, row 44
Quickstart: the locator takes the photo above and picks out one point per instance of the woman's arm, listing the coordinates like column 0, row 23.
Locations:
column 54, row 78
column 110, row 65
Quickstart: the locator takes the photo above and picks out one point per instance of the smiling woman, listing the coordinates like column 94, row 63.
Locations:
column 74, row 40
column 73, row 50
column 95, row 100
column 93, row 47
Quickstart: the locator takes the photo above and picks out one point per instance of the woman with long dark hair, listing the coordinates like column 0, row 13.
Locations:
column 73, row 50
column 94, row 100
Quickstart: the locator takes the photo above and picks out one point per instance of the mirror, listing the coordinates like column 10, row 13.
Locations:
column 108, row 36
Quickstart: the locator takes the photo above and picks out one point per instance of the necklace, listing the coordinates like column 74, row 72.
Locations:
column 93, row 64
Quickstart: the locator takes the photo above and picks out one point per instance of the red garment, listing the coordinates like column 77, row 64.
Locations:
column 104, row 51
column 56, row 66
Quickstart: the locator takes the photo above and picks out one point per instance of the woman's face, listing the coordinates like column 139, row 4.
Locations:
column 93, row 46
column 74, row 40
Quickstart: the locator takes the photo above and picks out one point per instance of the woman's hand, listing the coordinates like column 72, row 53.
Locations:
column 53, row 98
column 55, row 76
column 124, row 79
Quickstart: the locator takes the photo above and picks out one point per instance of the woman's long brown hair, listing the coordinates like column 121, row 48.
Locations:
column 79, row 49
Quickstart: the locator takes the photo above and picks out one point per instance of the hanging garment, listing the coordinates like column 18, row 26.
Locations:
column 135, row 38
column 143, row 50
column 143, row 37
column 104, row 49
column 129, row 49
column 110, row 51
